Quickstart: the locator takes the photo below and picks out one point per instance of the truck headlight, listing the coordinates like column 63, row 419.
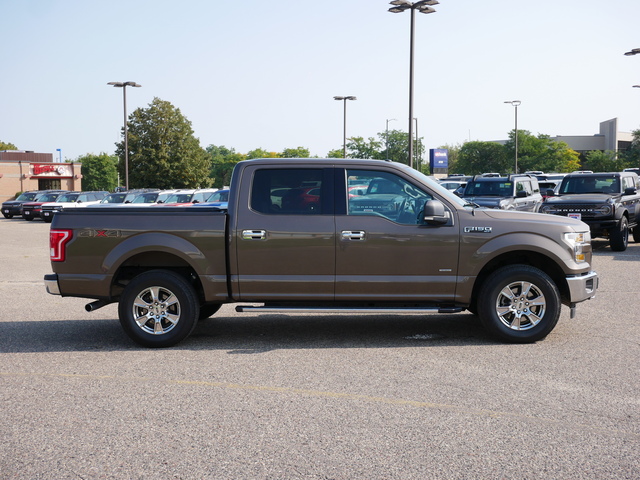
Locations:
column 577, row 241
column 549, row 209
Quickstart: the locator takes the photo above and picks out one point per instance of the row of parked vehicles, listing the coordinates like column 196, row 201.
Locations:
column 609, row 202
column 44, row 204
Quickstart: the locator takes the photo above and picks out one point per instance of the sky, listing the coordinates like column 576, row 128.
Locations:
column 257, row 74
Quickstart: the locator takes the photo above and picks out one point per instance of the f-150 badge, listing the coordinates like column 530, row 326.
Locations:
column 477, row 229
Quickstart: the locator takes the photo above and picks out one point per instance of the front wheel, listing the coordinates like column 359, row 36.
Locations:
column 7, row 215
column 158, row 308
column 519, row 304
column 636, row 234
column 619, row 237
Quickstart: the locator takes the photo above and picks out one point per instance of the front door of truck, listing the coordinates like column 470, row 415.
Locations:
column 384, row 251
column 284, row 237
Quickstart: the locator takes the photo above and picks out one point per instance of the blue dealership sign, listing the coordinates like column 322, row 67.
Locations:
column 438, row 158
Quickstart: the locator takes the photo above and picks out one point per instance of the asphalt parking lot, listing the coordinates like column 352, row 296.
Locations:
column 255, row 396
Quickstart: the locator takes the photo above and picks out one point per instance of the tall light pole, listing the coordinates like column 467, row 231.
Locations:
column 344, row 134
column 515, row 103
column 387, row 136
column 634, row 51
column 423, row 6
column 124, row 86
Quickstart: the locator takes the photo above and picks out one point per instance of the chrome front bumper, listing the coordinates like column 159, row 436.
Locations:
column 582, row 287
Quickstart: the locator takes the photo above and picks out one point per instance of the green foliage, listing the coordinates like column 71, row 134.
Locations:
column 223, row 161
column 163, row 152
column 454, row 155
column 261, row 153
column 631, row 155
column 358, row 147
column 335, row 153
column 99, row 172
column 7, row 146
column 398, row 146
column 299, row 152
column 608, row 161
column 480, row 157
column 541, row 153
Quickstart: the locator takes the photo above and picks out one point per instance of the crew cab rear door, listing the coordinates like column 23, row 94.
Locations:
column 385, row 250
column 284, row 235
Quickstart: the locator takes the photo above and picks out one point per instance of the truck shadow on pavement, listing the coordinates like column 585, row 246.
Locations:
column 256, row 333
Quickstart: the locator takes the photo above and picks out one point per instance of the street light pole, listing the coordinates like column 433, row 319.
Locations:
column 515, row 103
column 344, row 134
column 634, row 51
column 423, row 6
column 124, row 86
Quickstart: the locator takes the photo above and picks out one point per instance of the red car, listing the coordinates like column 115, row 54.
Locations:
column 31, row 210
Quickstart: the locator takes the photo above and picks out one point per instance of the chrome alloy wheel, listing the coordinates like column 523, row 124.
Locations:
column 156, row 310
column 520, row 305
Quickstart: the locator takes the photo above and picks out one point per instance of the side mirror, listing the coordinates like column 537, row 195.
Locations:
column 521, row 194
column 550, row 192
column 630, row 191
column 434, row 213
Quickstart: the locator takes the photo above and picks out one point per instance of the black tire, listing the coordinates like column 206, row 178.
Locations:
column 28, row 218
column 619, row 238
column 208, row 310
column 47, row 219
column 519, row 304
column 7, row 215
column 158, row 308
column 636, row 234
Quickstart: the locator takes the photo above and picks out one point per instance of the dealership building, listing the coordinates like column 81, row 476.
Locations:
column 23, row 170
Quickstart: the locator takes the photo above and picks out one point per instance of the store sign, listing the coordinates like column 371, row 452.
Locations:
column 51, row 170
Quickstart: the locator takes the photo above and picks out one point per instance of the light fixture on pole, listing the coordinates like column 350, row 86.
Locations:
column 515, row 103
column 344, row 135
column 387, row 136
column 634, row 51
column 423, row 6
column 124, row 86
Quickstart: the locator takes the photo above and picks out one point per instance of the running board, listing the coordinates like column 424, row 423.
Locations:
column 403, row 310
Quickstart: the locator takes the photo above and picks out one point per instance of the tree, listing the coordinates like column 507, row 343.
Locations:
column 299, row 152
column 223, row 161
column 398, row 146
column 600, row 161
column 163, row 152
column 453, row 156
column 337, row 153
column 481, row 157
column 261, row 153
column 631, row 155
column 99, row 172
column 357, row 147
column 541, row 153
column 7, row 146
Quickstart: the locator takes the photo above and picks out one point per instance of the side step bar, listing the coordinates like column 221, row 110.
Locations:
column 402, row 310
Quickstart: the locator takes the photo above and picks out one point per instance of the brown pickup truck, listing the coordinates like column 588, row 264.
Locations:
column 297, row 236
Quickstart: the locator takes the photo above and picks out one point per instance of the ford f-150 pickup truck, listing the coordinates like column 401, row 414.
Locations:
column 294, row 238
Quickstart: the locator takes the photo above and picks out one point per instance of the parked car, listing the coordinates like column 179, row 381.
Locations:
column 151, row 198
column 608, row 202
column 515, row 192
column 184, row 198
column 71, row 200
column 219, row 199
column 452, row 185
column 31, row 210
column 124, row 197
column 14, row 207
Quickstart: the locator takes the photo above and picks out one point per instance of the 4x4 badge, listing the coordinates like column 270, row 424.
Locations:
column 477, row 229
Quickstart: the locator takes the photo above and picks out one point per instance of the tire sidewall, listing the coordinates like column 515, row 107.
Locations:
column 505, row 276
column 619, row 239
column 176, row 284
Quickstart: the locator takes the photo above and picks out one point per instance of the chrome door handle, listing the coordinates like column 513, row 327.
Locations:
column 353, row 235
column 254, row 234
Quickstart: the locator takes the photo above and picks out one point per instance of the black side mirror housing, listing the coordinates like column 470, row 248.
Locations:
column 434, row 213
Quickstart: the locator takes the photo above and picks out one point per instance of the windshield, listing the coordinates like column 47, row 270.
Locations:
column 489, row 189
column 179, row 198
column 145, row 198
column 27, row 197
column 219, row 196
column 114, row 198
column 68, row 198
column 47, row 197
column 590, row 184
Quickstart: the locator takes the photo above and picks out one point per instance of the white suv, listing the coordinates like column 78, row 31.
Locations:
column 71, row 200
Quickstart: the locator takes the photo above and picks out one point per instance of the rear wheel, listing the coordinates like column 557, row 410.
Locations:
column 519, row 304
column 7, row 215
column 158, row 308
column 619, row 237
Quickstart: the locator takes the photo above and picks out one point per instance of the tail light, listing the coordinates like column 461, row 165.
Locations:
column 58, row 240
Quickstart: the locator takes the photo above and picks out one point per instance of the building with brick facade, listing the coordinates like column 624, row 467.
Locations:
column 23, row 170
